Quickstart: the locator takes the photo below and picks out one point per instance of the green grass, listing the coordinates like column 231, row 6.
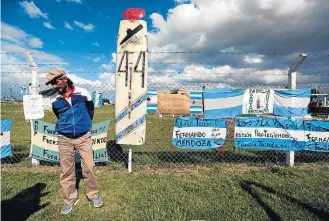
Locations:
column 218, row 194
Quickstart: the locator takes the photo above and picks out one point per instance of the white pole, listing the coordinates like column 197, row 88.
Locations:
column 325, row 101
column 35, row 88
column 292, row 82
column 290, row 155
column 129, row 160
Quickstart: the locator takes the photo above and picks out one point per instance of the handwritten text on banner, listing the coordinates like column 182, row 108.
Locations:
column 33, row 107
column 281, row 134
column 194, row 133
column 45, row 141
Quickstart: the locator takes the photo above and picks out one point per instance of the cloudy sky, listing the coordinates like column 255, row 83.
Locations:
column 228, row 41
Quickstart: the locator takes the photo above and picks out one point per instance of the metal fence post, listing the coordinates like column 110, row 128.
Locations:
column 35, row 87
column 129, row 161
column 292, row 82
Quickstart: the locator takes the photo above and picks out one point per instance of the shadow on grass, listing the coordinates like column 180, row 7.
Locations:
column 247, row 186
column 24, row 204
column 272, row 215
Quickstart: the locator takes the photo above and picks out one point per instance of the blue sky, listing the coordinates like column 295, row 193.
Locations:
column 254, row 41
column 104, row 16
column 74, row 25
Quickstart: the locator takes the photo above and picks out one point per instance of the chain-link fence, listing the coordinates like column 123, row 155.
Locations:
column 158, row 150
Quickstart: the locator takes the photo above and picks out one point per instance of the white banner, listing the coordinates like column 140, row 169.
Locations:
column 33, row 107
column 258, row 101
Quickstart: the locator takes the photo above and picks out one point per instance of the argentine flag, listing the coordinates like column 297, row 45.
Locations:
column 292, row 103
column 222, row 102
column 5, row 137
column 196, row 105
column 97, row 99
column 152, row 101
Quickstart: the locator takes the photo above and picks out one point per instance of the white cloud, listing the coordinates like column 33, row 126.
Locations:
column 87, row 28
column 107, row 77
column 96, row 59
column 95, row 44
column 68, row 26
column 211, row 25
column 221, row 74
column 253, row 60
column 76, row 1
column 35, row 42
column 15, row 78
column 75, row 79
column 39, row 56
column 48, row 25
column 107, row 67
column 15, row 40
column 114, row 57
column 111, row 64
column 242, row 29
column 13, row 34
column 21, row 74
column 32, row 10
column 19, row 37
column 61, row 41
column 78, row 80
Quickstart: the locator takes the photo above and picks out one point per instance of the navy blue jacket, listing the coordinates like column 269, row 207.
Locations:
column 75, row 119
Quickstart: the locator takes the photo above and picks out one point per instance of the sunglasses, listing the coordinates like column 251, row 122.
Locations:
column 55, row 81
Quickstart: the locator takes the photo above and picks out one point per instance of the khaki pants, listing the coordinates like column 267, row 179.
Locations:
column 67, row 147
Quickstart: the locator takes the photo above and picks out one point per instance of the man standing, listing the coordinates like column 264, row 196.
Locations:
column 74, row 109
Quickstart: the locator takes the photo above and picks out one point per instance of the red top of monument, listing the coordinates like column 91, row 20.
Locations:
column 134, row 13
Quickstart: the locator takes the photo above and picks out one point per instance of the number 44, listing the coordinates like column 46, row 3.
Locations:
column 124, row 60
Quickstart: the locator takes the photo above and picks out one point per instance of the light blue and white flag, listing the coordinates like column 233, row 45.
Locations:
column 152, row 101
column 23, row 90
column 97, row 99
column 198, row 133
column 196, row 102
column 292, row 103
column 5, row 137
column 317, row 136
column 222, row 103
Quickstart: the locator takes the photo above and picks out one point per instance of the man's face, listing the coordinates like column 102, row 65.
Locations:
column 60, row 83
